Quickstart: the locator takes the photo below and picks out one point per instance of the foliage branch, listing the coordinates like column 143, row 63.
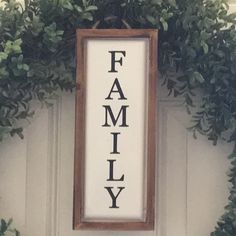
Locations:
column 6, row 229
column 197, row 52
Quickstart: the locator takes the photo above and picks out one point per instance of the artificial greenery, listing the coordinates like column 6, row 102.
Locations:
column 6, row 229
column 197, row 52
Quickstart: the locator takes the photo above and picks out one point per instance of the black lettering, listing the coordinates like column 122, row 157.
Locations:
column 111, row 172
column 113, row 119
column 118, row 90
column 115, row 140
column 114, row 61
column 114, row 197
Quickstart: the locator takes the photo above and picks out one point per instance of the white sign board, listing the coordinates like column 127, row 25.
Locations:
column 114, row 166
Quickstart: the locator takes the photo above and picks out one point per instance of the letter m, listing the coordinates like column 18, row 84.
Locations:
column 114, row 120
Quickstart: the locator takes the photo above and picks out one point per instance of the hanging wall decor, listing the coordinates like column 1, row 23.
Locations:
column 115, row 129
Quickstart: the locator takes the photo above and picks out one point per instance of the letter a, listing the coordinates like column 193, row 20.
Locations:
column 118, row 90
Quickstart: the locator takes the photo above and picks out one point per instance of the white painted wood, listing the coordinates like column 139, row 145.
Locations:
column 207, row 190
column 192, row 182
column 172, row 167
column 37, row 175
column 27, row 176
column 12, row 180
column 131, row 75
column 38, row 183
column 232, row 6
column 42, row 172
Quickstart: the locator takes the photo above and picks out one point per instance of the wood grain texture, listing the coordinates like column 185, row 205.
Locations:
column 79, row 164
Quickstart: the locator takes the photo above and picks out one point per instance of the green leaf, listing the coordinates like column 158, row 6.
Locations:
column 18, row 131
column 188, row 100
column 87, row 16
column 25, row 67
column 164, row 24
column 68, row 5
column 157, row 2
column 9, row 222
column 3, row 56
column 205, row 47
column 198, row 77
column 172, row 2
column 78, row 8
column 91, row 8
column 3, row 226
column 13, row 47
column 84, row 3
column 3, row 73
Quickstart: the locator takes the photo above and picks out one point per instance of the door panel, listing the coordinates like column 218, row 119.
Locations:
column 192, row 177
column 37, row 176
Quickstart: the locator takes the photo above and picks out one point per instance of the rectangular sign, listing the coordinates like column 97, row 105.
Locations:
column 115, row 129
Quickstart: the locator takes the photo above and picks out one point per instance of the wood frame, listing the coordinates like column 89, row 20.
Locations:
column 78, row 220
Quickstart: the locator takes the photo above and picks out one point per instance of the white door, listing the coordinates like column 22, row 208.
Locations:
column 36, row 175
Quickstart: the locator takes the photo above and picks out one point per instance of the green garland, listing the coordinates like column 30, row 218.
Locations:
column 197, row 42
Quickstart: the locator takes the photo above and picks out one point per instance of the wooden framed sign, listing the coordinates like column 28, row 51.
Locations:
column 115, row 129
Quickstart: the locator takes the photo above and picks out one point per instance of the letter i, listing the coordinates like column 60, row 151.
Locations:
column 114, row 143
